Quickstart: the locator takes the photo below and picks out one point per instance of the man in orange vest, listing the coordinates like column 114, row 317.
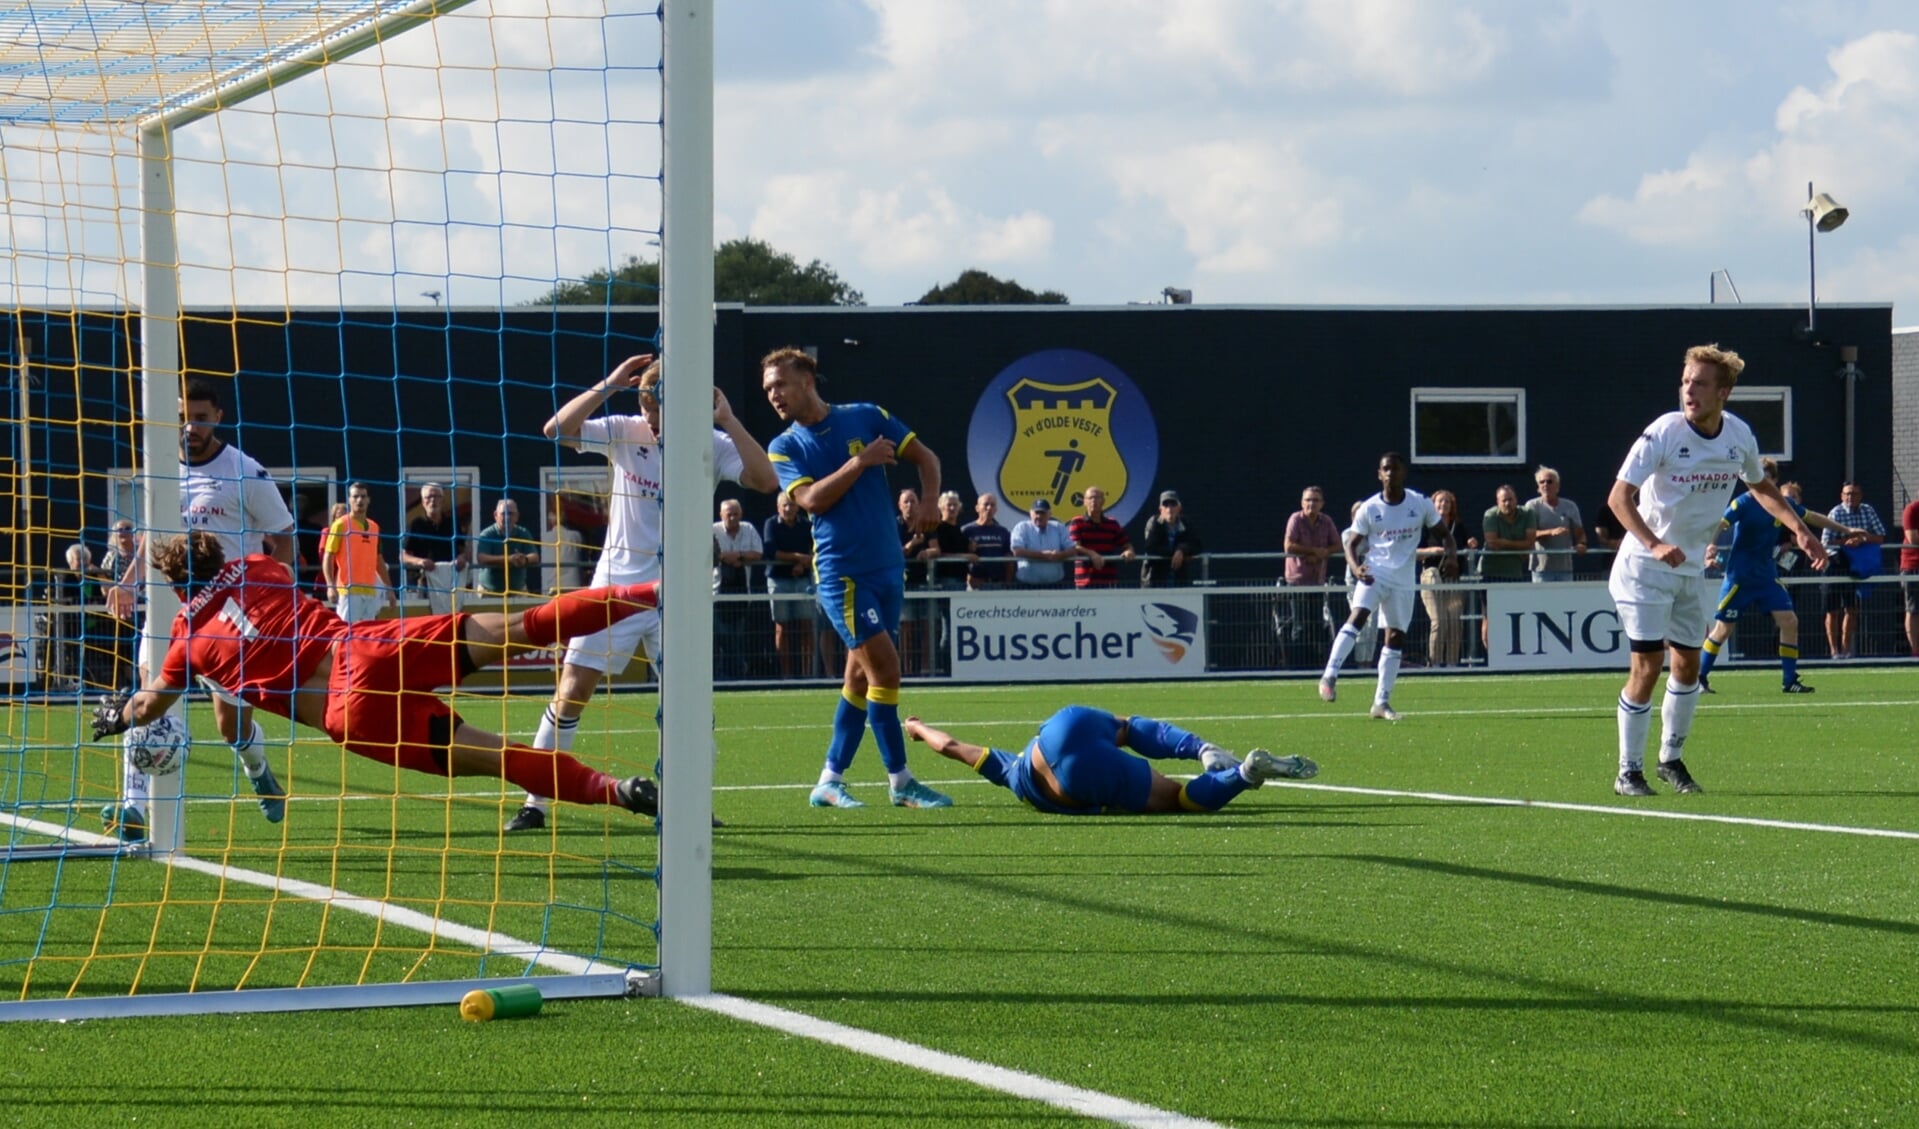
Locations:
column 356, row 577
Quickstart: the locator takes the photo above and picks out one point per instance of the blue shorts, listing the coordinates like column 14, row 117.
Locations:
column 860, row 607
column 1737, row 595
column 1080, row 746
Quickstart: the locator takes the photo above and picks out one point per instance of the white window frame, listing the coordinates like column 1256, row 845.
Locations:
column 1780, row 394
column 584, row 479
column 293, row 476
column 1428, row 395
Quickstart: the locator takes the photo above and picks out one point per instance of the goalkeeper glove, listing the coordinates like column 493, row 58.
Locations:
column 108, row 717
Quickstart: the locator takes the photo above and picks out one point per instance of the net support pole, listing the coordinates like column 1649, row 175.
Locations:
column 158, row 428
column 686, row 317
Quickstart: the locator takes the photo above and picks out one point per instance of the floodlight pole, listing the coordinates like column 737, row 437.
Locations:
column 1812, row 270
column 686, row 321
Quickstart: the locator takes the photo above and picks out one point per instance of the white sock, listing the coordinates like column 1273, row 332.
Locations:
column 1675, row 718
column 1388, row 674
column 556, row 733
column 828, row 776
column 248, row 750
column 899, row 779
column 1635, row 721
column 1342, row 650
column 133, row 787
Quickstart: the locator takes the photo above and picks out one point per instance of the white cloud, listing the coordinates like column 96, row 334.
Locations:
column 1857, row 136
column 1240, row 206
column 915, row 225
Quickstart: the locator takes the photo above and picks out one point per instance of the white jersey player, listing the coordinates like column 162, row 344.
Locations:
column 632, row 550
column 1683, row 469
column 224, row 492
column 1389, row 525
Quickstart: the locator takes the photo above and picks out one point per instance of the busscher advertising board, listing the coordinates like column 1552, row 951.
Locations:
column 1102, row 633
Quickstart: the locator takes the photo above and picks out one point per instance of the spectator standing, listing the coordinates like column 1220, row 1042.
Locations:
column 992, row 543
column 1040, row 546
column 356, row 575
column 1560, row 533
column 1311, row 538
column 1909, row 573
column 1446, row 609
column 736, row 547
column 1842, row 596
column 434, row 551
column 913, row 542
column 1509, row 531
column 123, row 544
column 787, row 541
column 1100, row 539
column 508, row 554
column 1170, row 543
column 950, row 552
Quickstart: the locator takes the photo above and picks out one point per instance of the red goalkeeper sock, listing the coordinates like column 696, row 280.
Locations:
column 543, row 772
column 587, row 611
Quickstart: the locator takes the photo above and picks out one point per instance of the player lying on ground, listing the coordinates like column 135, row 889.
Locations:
column 246, row 632
column 1076, row 766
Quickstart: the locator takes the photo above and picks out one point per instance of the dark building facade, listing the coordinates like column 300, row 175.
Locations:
column 1237, row 408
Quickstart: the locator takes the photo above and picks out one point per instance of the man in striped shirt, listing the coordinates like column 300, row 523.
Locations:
column 1100, row 540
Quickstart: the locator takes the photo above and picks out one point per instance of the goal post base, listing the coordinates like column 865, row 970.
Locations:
column 620, row 984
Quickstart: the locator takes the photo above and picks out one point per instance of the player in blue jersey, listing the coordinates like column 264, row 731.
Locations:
column 1751, row 560
column 1078, row 765
column 831, row 459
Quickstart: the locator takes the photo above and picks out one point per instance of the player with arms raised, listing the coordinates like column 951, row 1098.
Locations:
column 224, row 493
column 632, row 551
column 831, row 459
column 246, row 631
column 1683, row 468
column 1390, row 525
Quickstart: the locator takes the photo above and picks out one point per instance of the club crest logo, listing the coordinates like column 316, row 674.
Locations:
column 1173, row 628
column 1056, row 422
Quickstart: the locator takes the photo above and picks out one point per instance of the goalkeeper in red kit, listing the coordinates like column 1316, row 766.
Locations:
column 246, row 632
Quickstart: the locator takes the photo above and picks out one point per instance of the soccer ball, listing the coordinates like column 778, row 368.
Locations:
column 159, row 747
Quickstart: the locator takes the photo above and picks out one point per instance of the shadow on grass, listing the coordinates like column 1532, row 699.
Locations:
column 1547, row 993
column 1637, row 893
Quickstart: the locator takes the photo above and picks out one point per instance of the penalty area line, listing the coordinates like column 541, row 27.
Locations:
column 1604, row 809
column 1031, row 1087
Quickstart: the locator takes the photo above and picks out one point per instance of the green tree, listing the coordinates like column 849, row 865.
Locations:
column 748, row 271
column 977, row 288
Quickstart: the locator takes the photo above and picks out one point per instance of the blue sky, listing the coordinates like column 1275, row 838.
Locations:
column 1327, row 151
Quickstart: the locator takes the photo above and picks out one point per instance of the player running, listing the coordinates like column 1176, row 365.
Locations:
column 823, row 459
column 1390, row 524
column 1076, row 765
column 1752, row 578
column 1683, row 468
column 224, row 493
column 633, row 539
column 248, row 633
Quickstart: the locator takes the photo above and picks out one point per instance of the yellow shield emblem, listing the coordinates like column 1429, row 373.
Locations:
column 1062, row 443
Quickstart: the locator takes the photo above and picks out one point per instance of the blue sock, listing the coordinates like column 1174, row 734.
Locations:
column 1708, row 657
column 883, row 716
column 1213, row 790
column 849, row 725
column 1161, row 740
column 1789, row 663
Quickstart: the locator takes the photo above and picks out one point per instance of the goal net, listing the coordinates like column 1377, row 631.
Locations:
column 389, row 237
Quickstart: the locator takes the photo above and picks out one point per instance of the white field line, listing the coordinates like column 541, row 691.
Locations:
column 1030, row 1087
column 1087, row 1103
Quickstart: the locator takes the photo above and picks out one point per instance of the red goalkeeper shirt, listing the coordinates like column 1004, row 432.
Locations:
column 251, row 634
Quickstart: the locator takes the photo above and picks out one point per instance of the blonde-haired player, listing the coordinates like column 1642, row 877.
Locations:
column 1683, row 468
column 631, row 555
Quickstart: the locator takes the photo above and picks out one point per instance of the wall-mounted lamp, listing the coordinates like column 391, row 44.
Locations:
column 1822, row 213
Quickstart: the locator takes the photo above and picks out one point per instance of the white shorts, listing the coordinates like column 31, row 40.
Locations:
column 609, row 651
column 1656, row 603
column 1394, row 604
column 358, row 607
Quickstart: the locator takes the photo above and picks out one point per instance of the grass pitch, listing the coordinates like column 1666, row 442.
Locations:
column 1393, row 943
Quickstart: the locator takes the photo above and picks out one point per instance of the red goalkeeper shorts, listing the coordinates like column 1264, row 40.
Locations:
column 382, row 696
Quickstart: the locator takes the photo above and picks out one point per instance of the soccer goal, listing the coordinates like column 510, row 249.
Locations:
column 323, row 251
